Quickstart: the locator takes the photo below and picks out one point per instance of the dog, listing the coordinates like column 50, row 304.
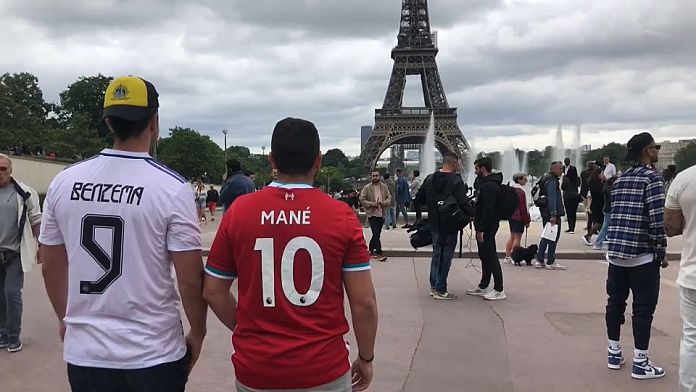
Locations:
column 520, row 254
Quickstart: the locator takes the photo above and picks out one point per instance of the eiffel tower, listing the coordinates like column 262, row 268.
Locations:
column 395, row 124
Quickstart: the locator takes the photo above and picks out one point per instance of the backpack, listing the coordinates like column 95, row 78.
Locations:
column 508, row 202
column 452, row 216
column 539, row 192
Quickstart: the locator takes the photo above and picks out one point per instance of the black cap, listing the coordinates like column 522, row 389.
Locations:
column 637, row 144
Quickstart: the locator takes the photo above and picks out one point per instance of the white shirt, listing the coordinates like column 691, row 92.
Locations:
column 119, row 215
column 609, row 170
column 682, row 196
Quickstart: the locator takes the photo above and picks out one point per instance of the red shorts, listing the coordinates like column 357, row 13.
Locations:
column 212, row 206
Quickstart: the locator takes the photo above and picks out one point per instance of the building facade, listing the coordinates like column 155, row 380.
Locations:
column 668, row 150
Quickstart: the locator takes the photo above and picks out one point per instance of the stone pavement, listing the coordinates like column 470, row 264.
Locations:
column 548, row 336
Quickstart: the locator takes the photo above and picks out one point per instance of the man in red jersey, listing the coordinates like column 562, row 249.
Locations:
column 293, row 250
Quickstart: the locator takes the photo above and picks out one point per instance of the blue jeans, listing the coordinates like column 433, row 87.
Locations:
column 441, row 261
column 401, row 209
column 551, row 245
column 11, row 284
column 389, row 219
column 602, row 236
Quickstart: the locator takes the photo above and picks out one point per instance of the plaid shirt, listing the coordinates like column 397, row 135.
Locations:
column 636, row 226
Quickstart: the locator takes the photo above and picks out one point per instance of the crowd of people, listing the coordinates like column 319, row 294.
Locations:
column 118, row 309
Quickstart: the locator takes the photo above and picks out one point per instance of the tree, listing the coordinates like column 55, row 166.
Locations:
column 335, row 158
column 86, row 97
column 330, row 178
column 685, row 157
column 22, row 106
column 615, row 151
column 191, row 154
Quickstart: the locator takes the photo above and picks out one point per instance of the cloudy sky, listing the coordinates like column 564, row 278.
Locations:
column 515, row 69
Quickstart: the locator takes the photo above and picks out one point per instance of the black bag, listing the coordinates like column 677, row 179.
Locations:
column 452, row 217
column 539, row 193
column 422, row 236
column 508, row 202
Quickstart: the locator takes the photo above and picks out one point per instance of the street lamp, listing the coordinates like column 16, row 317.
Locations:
column 263, row 163
column 224, row 132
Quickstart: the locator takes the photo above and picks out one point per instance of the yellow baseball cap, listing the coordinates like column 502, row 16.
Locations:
column 131, row 98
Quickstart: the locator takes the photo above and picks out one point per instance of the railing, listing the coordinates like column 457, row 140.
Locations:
column 415, row 112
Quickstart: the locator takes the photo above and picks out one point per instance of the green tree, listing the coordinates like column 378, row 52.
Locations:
column 330, row 178
column 86, row 97
column 685, row 157
column 537, row 164
column 22, row 106
column 335, row 158
column 191, row 154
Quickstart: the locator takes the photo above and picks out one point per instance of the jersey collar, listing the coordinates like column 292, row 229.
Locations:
column 124, row 154
column 278, row 184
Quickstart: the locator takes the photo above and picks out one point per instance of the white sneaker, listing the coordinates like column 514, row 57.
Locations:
column 477, row 292
column 555, row 266
column 507, row 260
column 494, row 295
column 586, row 240
column 538, row 264
column 595, row 247
column 432, row 292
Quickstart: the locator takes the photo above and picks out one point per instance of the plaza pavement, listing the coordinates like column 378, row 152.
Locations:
column 548, row 336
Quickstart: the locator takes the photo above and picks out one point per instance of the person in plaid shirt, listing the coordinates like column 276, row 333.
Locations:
column 637, row 245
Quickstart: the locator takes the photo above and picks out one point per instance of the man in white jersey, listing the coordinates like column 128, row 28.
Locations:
column 113, row 227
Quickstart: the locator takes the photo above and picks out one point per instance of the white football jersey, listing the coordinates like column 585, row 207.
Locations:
column 119, row 214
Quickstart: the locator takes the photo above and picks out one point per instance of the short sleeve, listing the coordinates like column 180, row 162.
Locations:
column 356, row 257
column 675, row 189
column 220, row 262
column 183, row 232
column 50, row 233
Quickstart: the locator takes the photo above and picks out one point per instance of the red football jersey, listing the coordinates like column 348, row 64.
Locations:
column 289, row 246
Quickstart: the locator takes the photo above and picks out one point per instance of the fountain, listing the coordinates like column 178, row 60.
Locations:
column 470, row 158
column 427, row 158
column 558, row 147
column 578, row 151
column 510, row 165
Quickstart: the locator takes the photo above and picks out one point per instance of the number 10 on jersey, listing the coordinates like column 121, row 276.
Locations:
column 287, row 271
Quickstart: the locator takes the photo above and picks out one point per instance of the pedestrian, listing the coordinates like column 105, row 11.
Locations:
column 284, row 339
column 585, row 193
column 551, row 213
column 637, row 247
column 596, row 187
column 486, row 224
column 211, row 200
column 680, row 219
column 602, row 236
column 668, row 174
column 200, row 195
column 390, row 214
column 375, row 199
column 20, row 218
column 117, row 306
column 520, row 219
column 571, row 197
column 609, row 169
column 414, row 187
column 403, row 197
column 235, row 185
column 438, row 187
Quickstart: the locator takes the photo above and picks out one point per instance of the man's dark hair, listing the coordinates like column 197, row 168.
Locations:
column 233, row 166
column 566, row 161
column 248, row 173
column 486, row 163
column 416, row 173
column 398, row 171
column 125, row 129
column 386, row 176
column 295, row 145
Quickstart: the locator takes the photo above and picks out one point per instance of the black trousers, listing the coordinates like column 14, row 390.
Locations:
column 490, row 264
column 571, row 206
column 644, row 282
column 167, row 377
column 376, row 224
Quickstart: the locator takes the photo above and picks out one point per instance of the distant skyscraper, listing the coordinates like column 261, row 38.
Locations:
column 365, row 132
